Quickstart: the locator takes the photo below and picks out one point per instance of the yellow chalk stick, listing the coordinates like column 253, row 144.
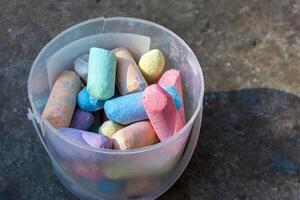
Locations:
column 108, row 128
column 151, row 65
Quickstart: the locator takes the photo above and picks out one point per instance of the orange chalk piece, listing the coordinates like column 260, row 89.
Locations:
column 172, row 78
column 129, row 77
column 62, row 100
column 161, row 111
column 139, row 134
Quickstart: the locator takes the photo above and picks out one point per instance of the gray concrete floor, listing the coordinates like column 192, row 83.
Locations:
column 250, row 54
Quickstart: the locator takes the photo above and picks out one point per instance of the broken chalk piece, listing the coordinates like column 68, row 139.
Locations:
column 176, row 98
column 161, row 111
column 81, row 65
column 139, row 134
column 62, row 100
column 101, row 73
column 88, row 103
column 108, row 128
column 129, row 78
column 87, row 138
column 152, row 65
column 125, row 109
column 172, row 78
column 128, row 108
column 82, row 120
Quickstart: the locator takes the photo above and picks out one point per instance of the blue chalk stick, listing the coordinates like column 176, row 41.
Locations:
column 176, row 98
column 129, row 108
column 101, row 73
column 88, row 103
column 108, row 186
column 126, row 109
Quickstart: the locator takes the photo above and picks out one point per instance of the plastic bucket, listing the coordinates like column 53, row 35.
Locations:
column 143, row 173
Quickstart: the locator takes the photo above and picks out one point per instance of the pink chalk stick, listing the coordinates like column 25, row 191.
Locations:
column 172, row 78
column 161, row 111
column 88, row 171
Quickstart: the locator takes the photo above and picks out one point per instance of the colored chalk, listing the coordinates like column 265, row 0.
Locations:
column 62, row 100
column 125, row 109
column 138, row 187
column 151, row 65
column 101, row 73
column 161, row 111
column 82, row 120
column 81, row 65
column 87, row 138
column 88, row 103
column 139, row 134
column 129, row 77
column 128, row 108
column 172, row 78
column 176, row 98
column 88, row 171
column 108, row 128
column 117, row 172
column 108, row 186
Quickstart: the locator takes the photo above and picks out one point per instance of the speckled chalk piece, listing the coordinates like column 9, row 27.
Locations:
column 161, row 111
column 108, row 128
column 101, row 73
column 139, row 134
column 82, row 120
column 87, row 138
column 88, row 103
column 172, row 78
column 81, row 65
column 129, row 77
column 152, row 65
column 62, row 100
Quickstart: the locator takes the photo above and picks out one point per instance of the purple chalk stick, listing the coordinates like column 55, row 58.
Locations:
column 73, row 134
column 82, row 120
column 97, row 140
column 87, row 138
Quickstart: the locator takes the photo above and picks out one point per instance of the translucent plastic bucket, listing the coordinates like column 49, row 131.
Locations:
column 143, row 173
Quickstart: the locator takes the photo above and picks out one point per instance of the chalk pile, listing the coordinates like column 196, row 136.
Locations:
column 129, row 105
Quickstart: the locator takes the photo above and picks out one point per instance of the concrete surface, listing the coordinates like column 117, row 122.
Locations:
column 250, row 54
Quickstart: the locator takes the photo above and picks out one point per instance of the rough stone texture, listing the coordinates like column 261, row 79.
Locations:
column 250, row 54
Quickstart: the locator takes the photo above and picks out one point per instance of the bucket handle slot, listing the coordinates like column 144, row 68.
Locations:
column 39, row 132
